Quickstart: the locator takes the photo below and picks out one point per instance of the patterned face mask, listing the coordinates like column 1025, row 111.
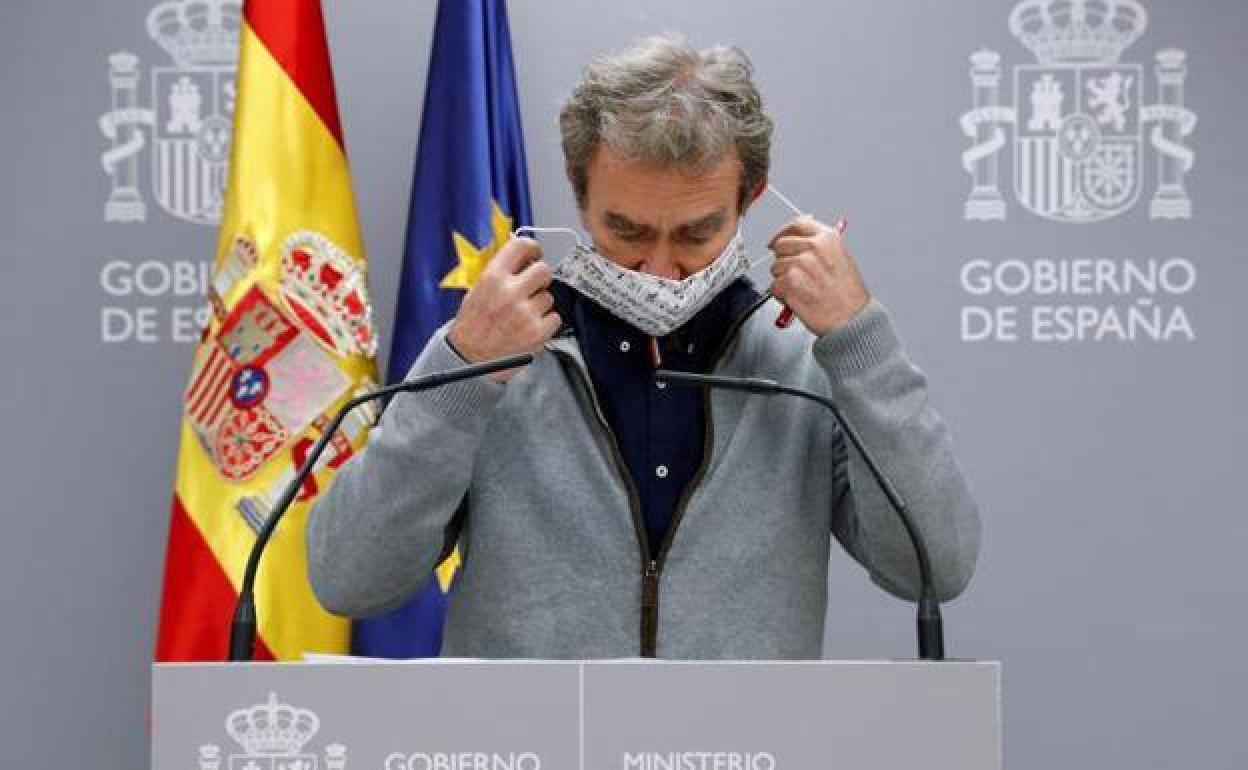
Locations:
column 656, row 306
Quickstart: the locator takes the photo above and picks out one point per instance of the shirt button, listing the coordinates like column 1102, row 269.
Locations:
column 660, row 384
column 661, row 471
column 625, row 347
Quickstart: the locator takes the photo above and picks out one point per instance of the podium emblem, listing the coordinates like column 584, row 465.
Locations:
column 189, row 119
column 1079, row 122
column 272, row 736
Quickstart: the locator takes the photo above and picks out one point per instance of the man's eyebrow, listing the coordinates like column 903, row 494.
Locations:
column 711, row 221
column 620, row 222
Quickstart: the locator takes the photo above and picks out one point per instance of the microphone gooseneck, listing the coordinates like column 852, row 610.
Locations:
column 243, row 627
column 931, row 637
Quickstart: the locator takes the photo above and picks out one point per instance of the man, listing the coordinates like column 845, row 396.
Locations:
column 601, row 512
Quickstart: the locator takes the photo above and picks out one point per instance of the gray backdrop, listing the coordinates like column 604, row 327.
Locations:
column 1108, row 470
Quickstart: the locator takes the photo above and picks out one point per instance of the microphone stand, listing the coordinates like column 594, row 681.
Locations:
column 931, row 637
column 243, row 626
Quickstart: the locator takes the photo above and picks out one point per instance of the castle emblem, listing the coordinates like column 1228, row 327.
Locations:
column 189, row 120
column 272, row 736
column 1079, row 120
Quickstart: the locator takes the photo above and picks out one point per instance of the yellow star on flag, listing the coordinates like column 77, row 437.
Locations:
column 472, row 260
column 445, row 571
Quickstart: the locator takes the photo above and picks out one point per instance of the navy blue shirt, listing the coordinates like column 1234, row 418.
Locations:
column 660, row 428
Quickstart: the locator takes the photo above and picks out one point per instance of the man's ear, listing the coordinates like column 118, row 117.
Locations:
column 759, row 188
column 754, row 194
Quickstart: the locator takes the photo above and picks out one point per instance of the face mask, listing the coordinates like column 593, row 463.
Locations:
column 655, row 305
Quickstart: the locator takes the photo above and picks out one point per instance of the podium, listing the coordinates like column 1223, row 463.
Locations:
column 550, row 715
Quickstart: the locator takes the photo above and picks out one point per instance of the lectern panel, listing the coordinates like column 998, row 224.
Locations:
column 437, row 715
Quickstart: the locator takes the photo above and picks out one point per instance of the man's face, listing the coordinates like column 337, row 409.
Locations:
column 662, row 221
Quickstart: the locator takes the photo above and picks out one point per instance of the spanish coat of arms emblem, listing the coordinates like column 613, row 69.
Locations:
column 272, row 736
column 189, row 119
column 1081, row 128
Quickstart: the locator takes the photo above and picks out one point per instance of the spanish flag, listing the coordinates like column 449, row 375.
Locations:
column 290, row 339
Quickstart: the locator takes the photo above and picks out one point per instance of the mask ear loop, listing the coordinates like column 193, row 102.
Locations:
column 790, row 205
column 580, row 245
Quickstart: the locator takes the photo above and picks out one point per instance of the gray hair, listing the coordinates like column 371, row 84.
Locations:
column 667, row 103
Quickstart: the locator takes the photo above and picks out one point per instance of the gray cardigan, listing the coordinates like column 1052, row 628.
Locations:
column 527, row 478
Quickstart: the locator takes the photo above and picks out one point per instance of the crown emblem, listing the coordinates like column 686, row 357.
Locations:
column 197, row 33
column 272, row 727
column 1078, row 30
column 327, row 290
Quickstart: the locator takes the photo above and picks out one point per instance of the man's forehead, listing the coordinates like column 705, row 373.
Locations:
column 644, row 192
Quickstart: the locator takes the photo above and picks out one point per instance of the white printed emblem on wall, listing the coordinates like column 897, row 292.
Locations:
column 189, row 118
column 272, row 736
column 1084, row 141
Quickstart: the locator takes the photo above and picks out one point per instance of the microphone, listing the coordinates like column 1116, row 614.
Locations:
column 931, row 635
column 243, row 627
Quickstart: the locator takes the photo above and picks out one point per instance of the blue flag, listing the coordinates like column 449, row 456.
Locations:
column 470, row 191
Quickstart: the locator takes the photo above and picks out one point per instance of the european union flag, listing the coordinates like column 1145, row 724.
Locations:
column 470, row 191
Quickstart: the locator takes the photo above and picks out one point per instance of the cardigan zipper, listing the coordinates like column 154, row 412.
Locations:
column 652, row 564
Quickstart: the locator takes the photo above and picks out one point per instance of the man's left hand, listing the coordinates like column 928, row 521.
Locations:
column 815, row 275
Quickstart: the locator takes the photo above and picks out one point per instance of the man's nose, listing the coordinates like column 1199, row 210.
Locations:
column 660, row 265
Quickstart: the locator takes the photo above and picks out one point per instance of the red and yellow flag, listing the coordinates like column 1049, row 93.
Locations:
column 291, row 338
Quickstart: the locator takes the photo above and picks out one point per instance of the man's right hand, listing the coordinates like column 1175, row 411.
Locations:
column 509, row 310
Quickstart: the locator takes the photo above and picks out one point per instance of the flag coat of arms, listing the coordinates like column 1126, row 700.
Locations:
column 469, row 192
column 290, row 339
